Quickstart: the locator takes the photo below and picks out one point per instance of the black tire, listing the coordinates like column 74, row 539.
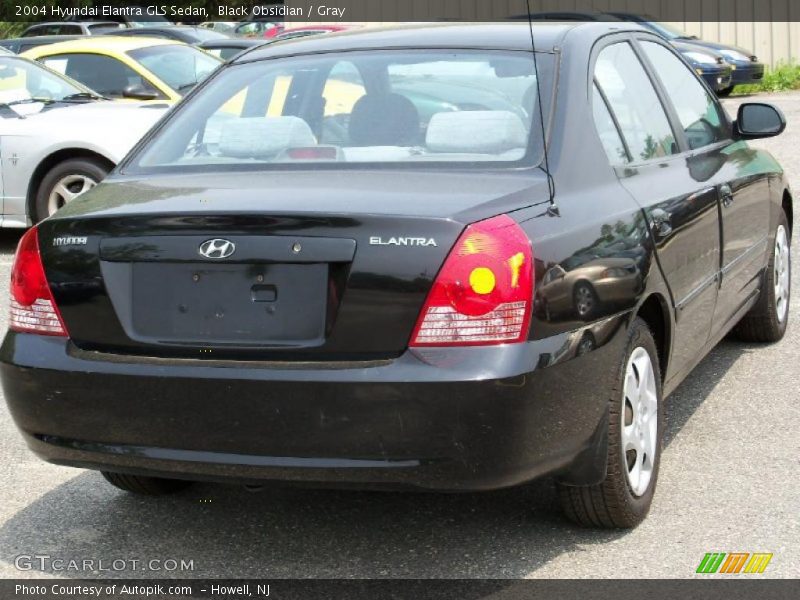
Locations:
column 145, row 486
column 725, row 93
column 613, row 503
column 92, row 169
column 584, row 300
column 762, row 322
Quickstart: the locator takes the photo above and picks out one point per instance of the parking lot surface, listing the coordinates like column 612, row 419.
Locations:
column 728, row 483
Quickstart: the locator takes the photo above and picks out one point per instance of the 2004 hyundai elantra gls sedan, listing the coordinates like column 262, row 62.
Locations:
column 280, row 283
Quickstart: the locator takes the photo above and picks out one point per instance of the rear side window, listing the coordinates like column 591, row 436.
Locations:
column 40, row 30
column 69, row 30
column 607, row 130
column 698, row 112
column 634, row 103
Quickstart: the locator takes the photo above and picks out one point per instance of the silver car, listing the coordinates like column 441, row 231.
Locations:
column 58, row 138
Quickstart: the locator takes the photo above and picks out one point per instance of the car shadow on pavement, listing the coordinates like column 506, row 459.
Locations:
column 290, row 532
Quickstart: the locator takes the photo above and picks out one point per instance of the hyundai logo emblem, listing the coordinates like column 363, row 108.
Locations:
column 217, row 248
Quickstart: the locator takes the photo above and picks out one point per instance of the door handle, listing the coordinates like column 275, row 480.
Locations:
column 726, row 195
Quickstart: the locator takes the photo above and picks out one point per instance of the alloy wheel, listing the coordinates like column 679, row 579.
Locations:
column 68, row 188
column 584, row 300
column 782, row 271
column 639, row 421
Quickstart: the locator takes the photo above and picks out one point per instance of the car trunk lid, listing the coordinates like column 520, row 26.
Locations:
column 279, row 268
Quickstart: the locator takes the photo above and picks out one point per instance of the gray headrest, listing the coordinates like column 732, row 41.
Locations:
column 264, row 136
column 476, row 132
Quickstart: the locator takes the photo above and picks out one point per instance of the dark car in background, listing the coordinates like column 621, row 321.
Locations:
column 131, row 17
column 264, row 29
column 299, row 276
column 746, row 66
column 227, row 48
column 79, row 28
column 709, row 64
column 178, row 33
column 20, row 45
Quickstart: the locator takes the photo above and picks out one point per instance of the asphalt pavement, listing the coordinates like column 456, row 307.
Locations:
column 728, row 483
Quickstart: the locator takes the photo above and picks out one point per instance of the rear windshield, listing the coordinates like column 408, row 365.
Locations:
column 358, row 107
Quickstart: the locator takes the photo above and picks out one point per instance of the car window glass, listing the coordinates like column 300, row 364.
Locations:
column 377, row 106
column 343, row 88
column 454, row 86
column 103, row 74
column 36, row 30
column 22, row 80
column 101, row 27
column 698, row 112
column 249, row 29
column 226, row 53
column 68, row 30
column 179, row 66
column 634, row 102
column 607, row 130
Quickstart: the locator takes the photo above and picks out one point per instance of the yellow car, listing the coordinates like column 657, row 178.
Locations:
column 129, row 68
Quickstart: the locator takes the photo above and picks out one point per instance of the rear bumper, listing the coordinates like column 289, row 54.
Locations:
column 450, row 419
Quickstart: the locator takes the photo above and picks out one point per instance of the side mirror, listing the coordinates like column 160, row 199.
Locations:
column 758, row 120
column 139, row 92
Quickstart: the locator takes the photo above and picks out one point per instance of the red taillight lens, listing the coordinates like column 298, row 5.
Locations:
column 33, row 309
column 484, row 290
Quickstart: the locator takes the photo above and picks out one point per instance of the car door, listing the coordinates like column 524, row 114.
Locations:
column 742, row 185
column 652, row 162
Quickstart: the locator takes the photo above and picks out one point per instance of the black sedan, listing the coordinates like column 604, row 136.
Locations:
column 304, row 275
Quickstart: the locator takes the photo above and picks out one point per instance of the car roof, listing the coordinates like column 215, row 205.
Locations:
column 500, row 36
column 100, row 43
column 168, row 28
column 44, row 39
column 69, row 23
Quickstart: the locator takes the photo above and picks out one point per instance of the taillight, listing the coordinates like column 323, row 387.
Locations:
column 483, row 292
column 33, row 309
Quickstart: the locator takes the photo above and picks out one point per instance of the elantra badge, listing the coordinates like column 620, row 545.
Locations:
column 402, row 241
column 217, row 248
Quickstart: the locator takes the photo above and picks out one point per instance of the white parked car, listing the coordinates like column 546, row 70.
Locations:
column 58, row 138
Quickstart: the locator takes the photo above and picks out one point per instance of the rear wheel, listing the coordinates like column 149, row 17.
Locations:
column 767, row 320
column 65, row 182
column 145, row 486
column 635, row 432
column 584, row 299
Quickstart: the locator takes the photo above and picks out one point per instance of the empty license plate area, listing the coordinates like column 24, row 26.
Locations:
column 229, row 304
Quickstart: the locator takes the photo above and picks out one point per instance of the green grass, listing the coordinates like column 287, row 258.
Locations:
column 10, row 29
column 784, row 77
